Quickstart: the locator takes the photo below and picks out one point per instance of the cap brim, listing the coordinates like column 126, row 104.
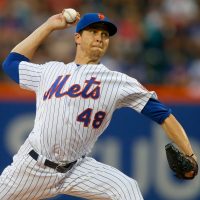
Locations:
column 96, row 18
column 111, row 28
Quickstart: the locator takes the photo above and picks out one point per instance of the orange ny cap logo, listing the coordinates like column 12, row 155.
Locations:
column 101, row 16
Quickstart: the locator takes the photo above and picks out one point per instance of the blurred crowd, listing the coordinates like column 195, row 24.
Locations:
column 158, row 41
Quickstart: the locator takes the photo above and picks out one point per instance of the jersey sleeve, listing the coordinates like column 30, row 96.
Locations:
column 133, row 94
column 30, row 75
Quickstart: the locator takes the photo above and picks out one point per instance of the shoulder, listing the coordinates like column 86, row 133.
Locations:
column 117, row 73
column 54, row 63
column 114, row 73
column 119, row 76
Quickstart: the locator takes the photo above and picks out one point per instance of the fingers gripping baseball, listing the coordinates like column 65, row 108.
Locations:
column 62, row 21
column 70, row 15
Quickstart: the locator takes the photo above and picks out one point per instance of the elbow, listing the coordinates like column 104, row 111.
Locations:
column 165, row 118
column 10, row 68
column 6, row 65
column 11, row 65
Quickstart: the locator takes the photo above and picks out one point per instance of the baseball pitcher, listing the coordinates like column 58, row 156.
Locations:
column 74, row 105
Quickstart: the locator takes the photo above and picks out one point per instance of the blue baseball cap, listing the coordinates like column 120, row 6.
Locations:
column 93, row 19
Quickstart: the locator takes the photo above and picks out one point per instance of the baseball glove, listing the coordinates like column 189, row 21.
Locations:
column 181, row 164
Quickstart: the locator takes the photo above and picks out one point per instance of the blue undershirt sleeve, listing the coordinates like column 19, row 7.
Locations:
column 11, row 65
column 156, row 111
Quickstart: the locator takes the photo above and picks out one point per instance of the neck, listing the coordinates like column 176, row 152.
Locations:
column 86, row 60
column 83, row 58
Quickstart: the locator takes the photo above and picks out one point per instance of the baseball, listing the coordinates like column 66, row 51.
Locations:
column 70, row 15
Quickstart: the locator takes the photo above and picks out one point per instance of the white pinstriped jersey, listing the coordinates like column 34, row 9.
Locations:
column 74, row 105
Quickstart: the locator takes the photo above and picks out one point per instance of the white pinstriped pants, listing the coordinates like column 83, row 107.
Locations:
column 27, row 179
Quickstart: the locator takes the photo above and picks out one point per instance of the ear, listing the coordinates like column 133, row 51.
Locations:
column 77, row 38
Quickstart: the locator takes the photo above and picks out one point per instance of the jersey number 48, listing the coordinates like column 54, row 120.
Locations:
column 85, row 118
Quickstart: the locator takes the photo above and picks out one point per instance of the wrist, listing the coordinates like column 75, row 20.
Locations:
column 48, row 27
column 193, row 156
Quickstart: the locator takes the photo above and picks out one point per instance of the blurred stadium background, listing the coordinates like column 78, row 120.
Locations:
column 158, row 43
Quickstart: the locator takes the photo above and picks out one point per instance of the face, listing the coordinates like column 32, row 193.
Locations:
column 93, row 42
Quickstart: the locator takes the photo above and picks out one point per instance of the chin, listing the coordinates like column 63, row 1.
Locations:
column 96, row 55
